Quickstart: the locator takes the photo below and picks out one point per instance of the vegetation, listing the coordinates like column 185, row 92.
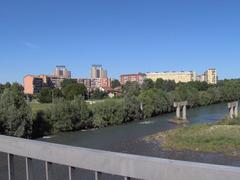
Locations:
column 98, row 94
column 223, row 137
column 69, row 115
column 45, row 95
column 69, row 111
column 115, row 83
column 39, row 107
column 15, row 113
column 109, row 112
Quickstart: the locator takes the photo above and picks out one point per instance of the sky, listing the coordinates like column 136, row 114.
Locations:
column 125, row 36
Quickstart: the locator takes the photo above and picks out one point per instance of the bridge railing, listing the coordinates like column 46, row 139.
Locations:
column 124, row 165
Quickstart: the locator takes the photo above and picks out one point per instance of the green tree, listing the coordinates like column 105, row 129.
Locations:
column 70, row 115
column 215, row 94
column 132, row 108
column 155, row 102
column 57, row 93
column 41, row 124
column 115, row 83
column 67, row 82
column 187, row 93
column 72, row 90
column 147, row 84
column 109, row 112
column 15, row 114
column 45, row 95
column 204, row 98
column 131, row 88
column 200, row 86
column 166, row 85
column 98, row 94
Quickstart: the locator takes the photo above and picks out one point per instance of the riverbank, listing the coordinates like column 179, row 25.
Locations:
column 220, row 137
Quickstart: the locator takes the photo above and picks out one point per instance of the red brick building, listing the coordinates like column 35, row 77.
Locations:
column 132, row 78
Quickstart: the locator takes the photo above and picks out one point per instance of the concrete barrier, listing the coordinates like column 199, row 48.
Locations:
column 125, row 165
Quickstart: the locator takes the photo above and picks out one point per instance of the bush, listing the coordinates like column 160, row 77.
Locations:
column 70, row 115
column 45, row 95
column 109, row 112
column 15, row 114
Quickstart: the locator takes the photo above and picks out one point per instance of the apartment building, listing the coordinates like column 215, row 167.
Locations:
column 182, row 76
column 33, row 84
column 211, row 76
column 92, row 84
column 97, row 71
column 132, row 78
column 62, row 72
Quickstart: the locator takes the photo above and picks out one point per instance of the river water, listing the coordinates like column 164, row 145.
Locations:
column 128, row 138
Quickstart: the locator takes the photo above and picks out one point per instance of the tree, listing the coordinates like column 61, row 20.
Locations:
column 41, row 125
column 57, row 93
column 166, row 85
column 15, row 114
column 204, row 98
column 72, row 90
column 115, row 83
column 70, row 115
column 67, row 82
column 109, row 112
column 82, row 114
column 215, row 94
column 155, row 102
column 132, row 108
column 147, row 84
column 131, row 88
column 187, row 93
column 200, row 86
column 45, row 95
column 98, row 94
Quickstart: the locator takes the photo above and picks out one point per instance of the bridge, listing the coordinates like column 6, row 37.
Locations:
column 100, row 162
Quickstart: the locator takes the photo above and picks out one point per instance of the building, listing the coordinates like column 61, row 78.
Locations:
column 57, row 81
column 93, row 84
column 34, row 84
column 182, row 76
column 200, row 78
column 97, row 71
column 132, row 78
column 87, row 83
column 62, row 72
column 211, row 76
column 101, row 82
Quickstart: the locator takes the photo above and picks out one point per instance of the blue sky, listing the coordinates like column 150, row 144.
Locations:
column 126, row 36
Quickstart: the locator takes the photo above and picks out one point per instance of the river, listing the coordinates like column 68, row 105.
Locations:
column 127, row 138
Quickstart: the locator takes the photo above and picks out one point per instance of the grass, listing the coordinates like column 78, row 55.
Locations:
column 39, row 106
column 223, row 137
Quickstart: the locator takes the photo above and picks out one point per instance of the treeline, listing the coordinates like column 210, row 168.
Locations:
column 70, row 89
column 137, row 102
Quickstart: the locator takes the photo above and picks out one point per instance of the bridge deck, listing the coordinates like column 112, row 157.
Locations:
column 125, row 165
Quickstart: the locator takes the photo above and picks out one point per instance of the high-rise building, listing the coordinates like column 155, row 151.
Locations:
column 97, row 71
column 211, row 76
column 62, row 72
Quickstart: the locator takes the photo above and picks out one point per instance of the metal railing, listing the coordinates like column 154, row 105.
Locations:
column 99, row 162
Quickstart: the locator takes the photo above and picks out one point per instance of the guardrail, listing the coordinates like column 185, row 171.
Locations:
column 124, row 165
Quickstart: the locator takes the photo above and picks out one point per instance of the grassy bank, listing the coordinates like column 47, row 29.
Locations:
column 223, row 137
